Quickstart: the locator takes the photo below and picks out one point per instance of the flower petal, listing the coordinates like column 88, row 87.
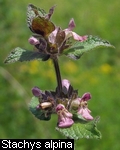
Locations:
column 59, row 107
column 52, row 36
column 48, row 16
column 85, row 112
column 67, row 114
column 65, row 83
column 74, row 35
column 67, row 123
column 71, row 25
column 78, row 37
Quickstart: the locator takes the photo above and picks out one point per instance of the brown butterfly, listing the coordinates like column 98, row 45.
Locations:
column 38, row 21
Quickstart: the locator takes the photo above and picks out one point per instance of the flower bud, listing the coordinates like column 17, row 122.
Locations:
column 45, row 105
column 65, row 83
column 36, row 91
column 75, row 103
column 86, row 96
column 33, row 41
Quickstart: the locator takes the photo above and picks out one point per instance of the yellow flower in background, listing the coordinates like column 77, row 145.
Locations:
column 70, row 66
column 106, row 68
column 34, row 67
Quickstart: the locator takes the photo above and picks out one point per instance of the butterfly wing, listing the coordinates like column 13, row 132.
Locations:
column 42, row 26
column 37, row 22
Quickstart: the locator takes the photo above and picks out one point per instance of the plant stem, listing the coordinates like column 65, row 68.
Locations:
column 58, row 75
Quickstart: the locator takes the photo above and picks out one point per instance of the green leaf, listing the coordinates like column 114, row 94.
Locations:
column 38, row 113
column 19, row 54
column 82, row 129
column 78, row 48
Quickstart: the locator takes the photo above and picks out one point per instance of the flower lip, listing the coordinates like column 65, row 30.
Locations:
column 85, row 112
column 70, row 33
column 65, row 124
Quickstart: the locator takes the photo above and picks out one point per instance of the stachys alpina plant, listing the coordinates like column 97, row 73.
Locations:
column 50, row 41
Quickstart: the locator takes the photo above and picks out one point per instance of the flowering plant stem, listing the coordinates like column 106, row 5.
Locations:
column 58, row 75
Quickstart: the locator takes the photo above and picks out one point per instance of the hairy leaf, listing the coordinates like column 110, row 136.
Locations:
column 39, row 113
column 77, row 48
column 19, row 54
column 82, row 129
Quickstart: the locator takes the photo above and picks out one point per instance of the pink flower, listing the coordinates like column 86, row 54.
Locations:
column 83, row 110
column 58, row 37
column 85, row 113
column 69, row 32
column 52, row 36
column 66, row 33
column 64, row 117
column 57, row 40
column 39, row 43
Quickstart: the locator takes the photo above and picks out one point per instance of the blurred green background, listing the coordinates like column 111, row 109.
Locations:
column 97, row 72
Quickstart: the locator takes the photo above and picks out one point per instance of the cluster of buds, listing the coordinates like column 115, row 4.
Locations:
column 63, row 104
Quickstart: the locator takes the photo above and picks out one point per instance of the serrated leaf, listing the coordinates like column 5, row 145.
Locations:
column 81, row 129
column 38, row 113
column 19, row 54
column 78, row 48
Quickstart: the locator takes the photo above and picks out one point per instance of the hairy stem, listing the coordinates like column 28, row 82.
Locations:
column 58, row 75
